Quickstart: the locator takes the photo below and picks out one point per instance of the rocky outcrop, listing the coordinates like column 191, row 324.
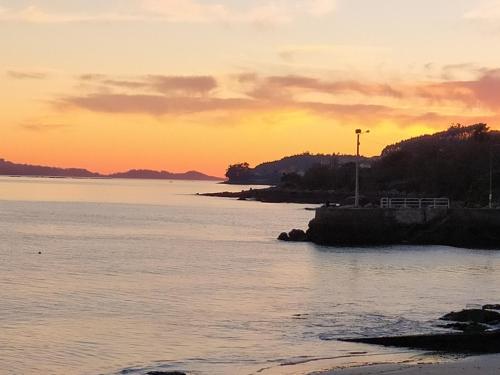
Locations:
column 473, row 315
column 295, row 235
column 470, row 228
column 467, row 327
column 478, row 343
column 289, row 195
column 491, row 307
column 478, row 335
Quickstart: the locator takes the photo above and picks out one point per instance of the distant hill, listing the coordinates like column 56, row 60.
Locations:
column 163, row 175
column 13, row 169
column 270, row 173
column 8, row 168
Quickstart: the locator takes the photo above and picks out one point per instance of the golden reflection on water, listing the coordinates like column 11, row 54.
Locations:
column 144, row 275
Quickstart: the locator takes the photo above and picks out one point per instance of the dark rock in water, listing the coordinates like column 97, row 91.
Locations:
column 297, row 235
column 473, row 315
column 284, row 237
column 491, row 307
column 166, row 373
column 466, row 327
column 478, row 343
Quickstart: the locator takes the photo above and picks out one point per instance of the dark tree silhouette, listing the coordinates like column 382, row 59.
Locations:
column 454, row 163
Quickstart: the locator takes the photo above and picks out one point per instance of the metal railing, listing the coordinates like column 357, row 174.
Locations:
column 415, row 203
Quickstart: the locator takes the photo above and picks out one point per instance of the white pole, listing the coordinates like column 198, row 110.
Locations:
column 356, row 191
column 490, row 198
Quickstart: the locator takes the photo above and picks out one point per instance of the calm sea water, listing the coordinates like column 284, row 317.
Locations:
column 137, row 276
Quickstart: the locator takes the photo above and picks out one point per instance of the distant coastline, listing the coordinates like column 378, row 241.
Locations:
column 11, row 169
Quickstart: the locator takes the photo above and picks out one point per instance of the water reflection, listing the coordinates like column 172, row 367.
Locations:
column 142, row 275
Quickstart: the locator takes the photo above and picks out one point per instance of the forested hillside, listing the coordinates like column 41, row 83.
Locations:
column 455, row 163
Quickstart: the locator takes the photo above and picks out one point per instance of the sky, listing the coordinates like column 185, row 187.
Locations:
column 183, row 85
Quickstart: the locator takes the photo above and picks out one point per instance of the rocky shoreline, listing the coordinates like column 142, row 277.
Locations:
column 467, row 228
column 284, row 195
column 480, row 334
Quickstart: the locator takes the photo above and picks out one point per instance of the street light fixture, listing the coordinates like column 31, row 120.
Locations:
column 356, row 192
column 490, row 197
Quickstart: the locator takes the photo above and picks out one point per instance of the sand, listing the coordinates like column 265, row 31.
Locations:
column 484, row 365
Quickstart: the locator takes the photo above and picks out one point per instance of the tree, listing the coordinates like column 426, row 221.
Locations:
column 240, row 172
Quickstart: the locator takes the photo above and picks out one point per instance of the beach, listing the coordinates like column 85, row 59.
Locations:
column 484, row 365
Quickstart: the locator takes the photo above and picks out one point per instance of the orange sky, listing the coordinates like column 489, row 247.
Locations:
column 189, row 84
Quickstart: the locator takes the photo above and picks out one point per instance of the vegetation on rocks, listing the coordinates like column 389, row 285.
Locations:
column 454, row 163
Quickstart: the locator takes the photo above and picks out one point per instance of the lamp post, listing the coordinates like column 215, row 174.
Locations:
column 490, row 197
column 356, row 191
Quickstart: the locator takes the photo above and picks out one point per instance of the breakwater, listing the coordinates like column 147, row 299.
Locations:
column 472, row 228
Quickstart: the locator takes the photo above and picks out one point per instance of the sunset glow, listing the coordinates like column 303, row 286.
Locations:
column 196, row 84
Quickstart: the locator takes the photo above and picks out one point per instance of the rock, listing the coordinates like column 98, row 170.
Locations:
column 491, row 307
column 166, row 373
column 472, row 315
column 466, row 327
column 284, row 237
column 480, row 343
column 468, row 228
column 297, row 235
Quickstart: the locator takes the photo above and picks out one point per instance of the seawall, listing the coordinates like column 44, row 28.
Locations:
column 473, row 228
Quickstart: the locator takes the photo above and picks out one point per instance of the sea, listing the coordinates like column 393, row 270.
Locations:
column 101, row 276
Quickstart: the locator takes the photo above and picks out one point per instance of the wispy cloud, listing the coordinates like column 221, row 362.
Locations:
column 155, row 105
column 269, row 87
column 22, row 74
column 41, row 127
column 260, row 12
column 489, row 10
column 166, row 85
column 434, row 103
column 481, row 92
column 34, row 14
column 292, row 52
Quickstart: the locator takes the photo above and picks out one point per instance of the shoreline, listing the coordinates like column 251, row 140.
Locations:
column 488, row 364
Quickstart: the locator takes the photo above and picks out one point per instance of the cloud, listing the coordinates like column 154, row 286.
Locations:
column 320, row 8
column 33, row 14
column 41, row 127
column 200, row 85
column 455, row 71
column 487, row 11
column 155, row 105
column 189, row 11
column 481, row 92
column 348, row 101
column 91, row 77
column 19, row 74
column 290, row 53
column 267, row 13
column 285, row 85
column 260, row 13
column 167, row 85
